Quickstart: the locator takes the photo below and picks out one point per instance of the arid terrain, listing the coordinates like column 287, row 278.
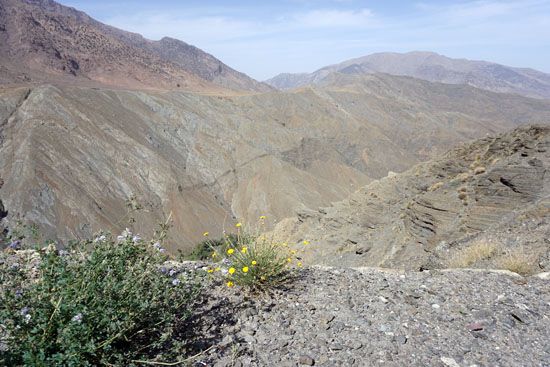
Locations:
column 412, row 191
column 76, row 145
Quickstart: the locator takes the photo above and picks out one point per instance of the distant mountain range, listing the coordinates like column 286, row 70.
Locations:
column 41, row 41
column 432, row 67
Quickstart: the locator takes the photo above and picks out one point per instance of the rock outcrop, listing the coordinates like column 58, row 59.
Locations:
column 365, row 317
column 418, row 218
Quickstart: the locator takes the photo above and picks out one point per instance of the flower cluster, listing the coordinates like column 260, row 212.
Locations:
column 254, row 260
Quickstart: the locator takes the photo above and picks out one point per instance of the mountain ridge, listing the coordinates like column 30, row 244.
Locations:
column 432, row 67
column 43, row 41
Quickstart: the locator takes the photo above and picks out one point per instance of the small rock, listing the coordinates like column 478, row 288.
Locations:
column 323, row 359
column 336, row 346
column 385, row 300
column 401, row 339
column 449, row 362
column 356, row 345
column 475, row 326
column 436, row 306
column 306, row 360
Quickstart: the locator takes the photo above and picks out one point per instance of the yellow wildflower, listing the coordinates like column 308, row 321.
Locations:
column 288, row 259
column 205, row 234
column 214, row 254
column 262, row 217
column 210, row 270
column 245, row 269
column 230, row 284
column 230, row 251
column 254, row 262
column 299, row 264
column 244, row 249
column 217, row 269
column 231, row 270
column 238, row 225
column 293, row 252
column 284, row 244
column 306, row 242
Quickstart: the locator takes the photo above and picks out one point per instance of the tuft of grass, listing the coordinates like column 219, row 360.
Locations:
column 519, row 262
column 472, row 254
column 479, row 170
column 435, row 186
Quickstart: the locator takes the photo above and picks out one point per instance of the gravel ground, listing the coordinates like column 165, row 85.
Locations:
column 368, row 317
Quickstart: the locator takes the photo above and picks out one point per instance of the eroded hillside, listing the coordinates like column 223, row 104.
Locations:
column 494, row 190
column 71, row 156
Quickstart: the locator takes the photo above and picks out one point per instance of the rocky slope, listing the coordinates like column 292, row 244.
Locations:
column 433, row 67
column 71, row 156
column 41, row 40
column 367, row 317
column 494, row 190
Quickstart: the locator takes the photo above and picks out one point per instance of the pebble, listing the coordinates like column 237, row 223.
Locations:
column 306, row 360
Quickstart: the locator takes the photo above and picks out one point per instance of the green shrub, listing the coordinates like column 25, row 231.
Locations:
column 104, row 302
column 203, row 250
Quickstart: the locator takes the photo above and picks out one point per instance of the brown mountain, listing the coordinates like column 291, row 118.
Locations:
column 432, row 67
column 43, row 41
column 71, row 156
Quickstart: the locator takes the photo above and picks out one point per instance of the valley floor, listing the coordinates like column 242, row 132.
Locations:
column 369, row 317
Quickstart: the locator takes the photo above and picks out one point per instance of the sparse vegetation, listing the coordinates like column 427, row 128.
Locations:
column 435, row 186
column 479, row 170
column 203, row 250
column 518, row 262
column 100, row 302
column 470, row 255
column 253, row 261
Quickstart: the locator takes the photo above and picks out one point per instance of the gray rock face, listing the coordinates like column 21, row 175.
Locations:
column 495, row 190
column 432, row 67
column 510, row 320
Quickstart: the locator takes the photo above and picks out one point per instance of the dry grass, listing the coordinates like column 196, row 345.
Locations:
column 435, row 186
column 479, row 170
column 469, row 255
column 464, row 176
column 518, row 262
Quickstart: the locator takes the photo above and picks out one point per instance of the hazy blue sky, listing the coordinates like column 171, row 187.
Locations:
column 264, row 38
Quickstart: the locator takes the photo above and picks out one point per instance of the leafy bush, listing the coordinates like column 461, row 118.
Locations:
column 254, row 261
column 104, row 302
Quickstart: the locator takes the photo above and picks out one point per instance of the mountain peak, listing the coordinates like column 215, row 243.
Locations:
column 41, row 40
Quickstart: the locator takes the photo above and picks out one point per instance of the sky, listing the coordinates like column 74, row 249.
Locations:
column 265, row 38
